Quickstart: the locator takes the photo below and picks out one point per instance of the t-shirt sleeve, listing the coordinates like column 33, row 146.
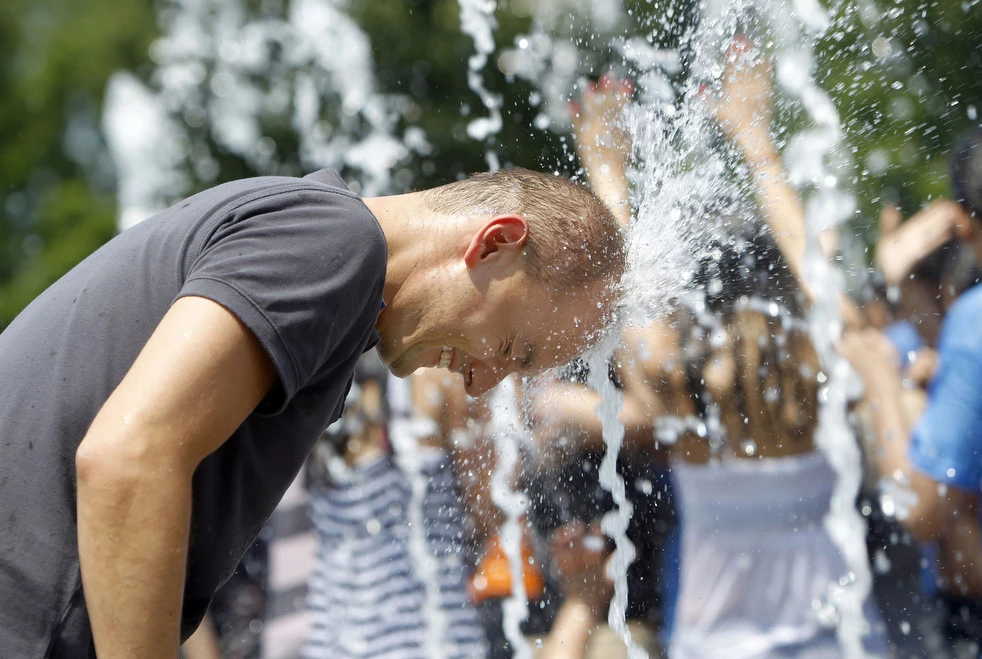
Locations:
column 303, row 270
column 947, row 441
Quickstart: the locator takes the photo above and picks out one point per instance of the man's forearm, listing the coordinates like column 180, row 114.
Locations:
column 133, row 526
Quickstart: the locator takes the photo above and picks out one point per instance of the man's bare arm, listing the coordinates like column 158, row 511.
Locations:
column 199, row 376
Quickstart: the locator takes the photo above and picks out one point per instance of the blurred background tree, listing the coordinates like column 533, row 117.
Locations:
column 905, row 74
column 57, row 201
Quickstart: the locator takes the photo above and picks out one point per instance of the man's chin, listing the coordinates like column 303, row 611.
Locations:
column 401, row 367
column 400, row 371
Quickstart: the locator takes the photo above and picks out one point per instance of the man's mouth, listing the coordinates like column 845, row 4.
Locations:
column 446, row 361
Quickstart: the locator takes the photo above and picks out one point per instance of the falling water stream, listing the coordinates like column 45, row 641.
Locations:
column 477, row 20
column 614, row 524
column 406, row 428
column 507, row 431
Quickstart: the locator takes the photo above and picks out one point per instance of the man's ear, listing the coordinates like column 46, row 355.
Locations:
column 500, row 238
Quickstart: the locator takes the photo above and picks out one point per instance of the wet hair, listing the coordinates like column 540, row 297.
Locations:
column 750, row 290
column 745, row 264
column 574, row 240
column 966, row 171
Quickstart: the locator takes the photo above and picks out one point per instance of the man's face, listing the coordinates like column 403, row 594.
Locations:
column 515, row 327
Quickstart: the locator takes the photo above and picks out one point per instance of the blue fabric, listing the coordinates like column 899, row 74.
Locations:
column 947, row 441
column 905, row 339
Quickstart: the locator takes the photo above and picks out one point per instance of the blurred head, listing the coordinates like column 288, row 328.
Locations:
column 966, row 171
column 523, row 277
column 746, row 264
column 755, row 359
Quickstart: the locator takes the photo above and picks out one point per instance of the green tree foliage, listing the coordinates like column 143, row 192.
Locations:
column 906, row 76
column 56, row 196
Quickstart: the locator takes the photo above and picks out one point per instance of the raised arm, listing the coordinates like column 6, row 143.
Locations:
column 744, row 111
column 602, row 145
column 198, row 377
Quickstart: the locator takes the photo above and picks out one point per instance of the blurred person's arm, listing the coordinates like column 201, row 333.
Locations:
column 650, row 368
column 201, row 373
column 744, row 111
column 580, row 556
column 566, row 411
column 930, row 516
column 902, row 245
column 602, row 145
column 461, row 422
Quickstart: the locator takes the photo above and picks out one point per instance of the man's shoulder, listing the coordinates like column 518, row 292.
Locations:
column 324, row 200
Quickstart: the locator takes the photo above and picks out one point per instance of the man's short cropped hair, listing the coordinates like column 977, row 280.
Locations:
column 574, row 240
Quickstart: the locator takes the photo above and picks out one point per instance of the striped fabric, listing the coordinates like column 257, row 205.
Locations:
column 364, row 599
column 291, row 564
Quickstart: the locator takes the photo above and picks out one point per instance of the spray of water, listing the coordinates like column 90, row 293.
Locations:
column 614, row 524
column 680, row 175
column 793, row 35
column 477, row 21
column 507, row 432
column 826, row 208
column 405, row 431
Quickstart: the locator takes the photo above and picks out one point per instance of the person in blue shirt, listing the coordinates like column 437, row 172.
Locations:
column 933, row 446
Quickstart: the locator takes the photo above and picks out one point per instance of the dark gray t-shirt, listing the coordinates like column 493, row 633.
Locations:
column 300, row 261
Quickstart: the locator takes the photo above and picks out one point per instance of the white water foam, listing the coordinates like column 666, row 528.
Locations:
column 507, row 432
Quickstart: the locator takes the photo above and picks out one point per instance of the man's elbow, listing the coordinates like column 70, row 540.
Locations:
column 118, row 462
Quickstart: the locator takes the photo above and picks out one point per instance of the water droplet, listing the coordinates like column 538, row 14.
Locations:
column 881, row 563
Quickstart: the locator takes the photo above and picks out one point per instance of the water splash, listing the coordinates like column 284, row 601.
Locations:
column 477, row 21
column 225, row 71
column 507, row 431
column 405, row 431
column 614, row 524
column 677, row 181
column 683, row 183
column 827, row 207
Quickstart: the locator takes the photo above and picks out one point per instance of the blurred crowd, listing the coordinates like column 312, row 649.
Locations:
column 728, row 487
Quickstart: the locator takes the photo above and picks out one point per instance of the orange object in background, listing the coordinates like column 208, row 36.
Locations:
column 492, row 578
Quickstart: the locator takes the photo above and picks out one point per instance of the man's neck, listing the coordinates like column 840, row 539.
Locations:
column 399, row 216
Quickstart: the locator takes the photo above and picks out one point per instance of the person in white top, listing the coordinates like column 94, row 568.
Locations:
column 734, row 388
